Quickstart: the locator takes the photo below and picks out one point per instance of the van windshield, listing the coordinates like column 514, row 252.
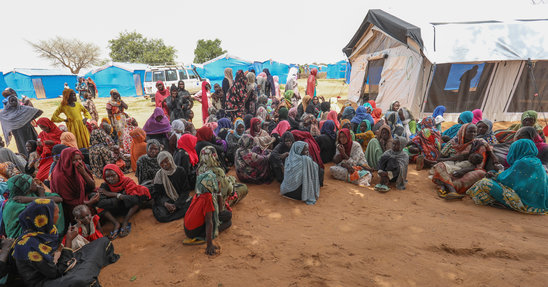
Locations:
column 158, row 76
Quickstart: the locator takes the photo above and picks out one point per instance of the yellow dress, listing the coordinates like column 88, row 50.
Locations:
column 75, row 124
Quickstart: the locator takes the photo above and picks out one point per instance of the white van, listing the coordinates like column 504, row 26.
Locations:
column 172, row 75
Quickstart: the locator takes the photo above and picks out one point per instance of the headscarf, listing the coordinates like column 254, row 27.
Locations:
column 489, row 136
column 373, row 104
column 251, row 81
column 19, row 185
column 13, row 118
column 177, row 125
column 68, row 139
column 391, row 109
column 207, row 183
column 124, row 183
column 138, row 146
column 253, row 124
column 359, row 130
column 205, row 103
column 348, row 113
column 311, row 83
column 162, row 176
column 54, row 133
column 188, row 143
column 154, row 127
column 283, row 114
column 428, row 140
column 229, row 76
column 438, row 111
column 238, row 95
column 332, row 115
column 401, row 158
column 292, row 74
column 209, row 160
column 237, row 123
column 361, row 114
column 306, row 101
column 205, row 134
column 465, row 117
column 293, row 112
column 281, row 128
column 313, row 146
column 261, row 113
column 304, row 173
column 66, row 180
column 478, row 115
column 223, row 123
column 376, row 114
column 328, row 128
column 385, row 144
column 40, row 239
column 348, row 145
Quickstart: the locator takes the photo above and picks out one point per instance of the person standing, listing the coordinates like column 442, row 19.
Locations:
column 228, row 81
column 73, row 111
column 160, row 97
column 116, row 113
column 82, row 88
column 311, row 83
column 15, row 119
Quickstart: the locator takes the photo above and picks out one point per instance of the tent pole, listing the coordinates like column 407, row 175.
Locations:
column 535, row 89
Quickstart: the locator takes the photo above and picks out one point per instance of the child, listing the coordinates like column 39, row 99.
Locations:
column 90, row 106
column 120, row 159
column 89, row 227
column 393, row 166
column 33, row 160
column 474, row 161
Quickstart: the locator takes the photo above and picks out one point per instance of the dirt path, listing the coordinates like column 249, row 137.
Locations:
column 352, row 237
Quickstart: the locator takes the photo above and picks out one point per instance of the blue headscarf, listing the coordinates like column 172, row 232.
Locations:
column 348, row 113
column 526, row 175
column 328, row 128
column 465, row 117
column 361, row 114
column 438, row 111
column 223, row 123
column 238, row 122
column 303, row 171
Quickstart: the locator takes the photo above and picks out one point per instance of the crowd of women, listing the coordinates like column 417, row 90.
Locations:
column 249, row 124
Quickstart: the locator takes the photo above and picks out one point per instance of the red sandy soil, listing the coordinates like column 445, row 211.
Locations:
column 351, row 237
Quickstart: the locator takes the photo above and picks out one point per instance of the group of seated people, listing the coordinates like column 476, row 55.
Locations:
column 281, row 139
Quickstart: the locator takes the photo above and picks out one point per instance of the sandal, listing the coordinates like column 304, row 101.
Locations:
column 124, row 231
column 113, row 234
column 193, row 241
column 442, row 193
column 382, row 188
column 454, row 195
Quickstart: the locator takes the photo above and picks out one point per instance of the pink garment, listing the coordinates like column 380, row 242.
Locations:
column 478, row 116
column 281, row 128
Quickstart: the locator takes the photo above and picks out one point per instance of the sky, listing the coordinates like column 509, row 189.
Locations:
column 292, row 31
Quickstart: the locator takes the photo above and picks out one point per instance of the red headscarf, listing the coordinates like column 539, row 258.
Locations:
column 160, row 97
column 376, row 114
column 125, row 183
column 311, row 83
column 281, row 128
column 372, row 103
column 313, row 147
column 54, row 133
column 332, row 115
column 348, row 145
column 205, row 103
column 67, row 181
column 188, row 143
column 253, row 123
column 204, row 134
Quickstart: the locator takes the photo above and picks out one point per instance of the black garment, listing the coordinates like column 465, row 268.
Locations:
column 296, row 194
column 89, row 261
column 162, row 138
column 226, row 89
column 179, row 180
column 276, row 161
column 118, row 206
column 182, row 159
column 225, row 217
column 300, row 111
column 22, row 135
column 175, row 106
column 327, row 147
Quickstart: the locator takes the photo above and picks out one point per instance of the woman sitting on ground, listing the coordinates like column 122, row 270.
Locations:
column 49, row 137
column 304, row 182
column 523, row 187
column 464, row 118
column 528, row 119
column 119, row 196
column 34, row 251
column 68, row 139
column 186, row 157
column 171, row 190
column 351, row 165
column 138, row 146
column 206, row 216
column 378, row 145
column 206, row 137
column 453, row 185
column 327, row 141
column 158, row 127
column 361, row 115
column 424, row 149
column 147, row 164
column 408, row 122
column 279, row 155
column 232, row 192
column 393, row 166
column 177, row 130
column 364, row 134
column 260, row 136
column 485, row 131
column 252, row 165
column 233, row 136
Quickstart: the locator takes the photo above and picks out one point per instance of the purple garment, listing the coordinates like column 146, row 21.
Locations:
column 154, row 127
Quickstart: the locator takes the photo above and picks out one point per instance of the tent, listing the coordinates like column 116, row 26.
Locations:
column 3, row 86
column 337, row 70
column 214, row 68
column 277, row 69
column 39, row 83
column 127, row 78
column 499, row 67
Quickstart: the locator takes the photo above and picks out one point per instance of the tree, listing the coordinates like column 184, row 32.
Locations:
column 132, row 47
column 207, row 50
column 71, row 53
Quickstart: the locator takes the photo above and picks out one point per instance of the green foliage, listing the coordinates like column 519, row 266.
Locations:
column 132, row 47
column 207, row 50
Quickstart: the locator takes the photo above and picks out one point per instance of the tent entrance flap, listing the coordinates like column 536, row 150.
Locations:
column 525, row 96
column 459, row 87
column 39, row 88
column 138, row 86
column 370, row 86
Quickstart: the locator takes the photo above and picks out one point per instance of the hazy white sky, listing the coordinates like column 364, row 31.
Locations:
column 291, row 31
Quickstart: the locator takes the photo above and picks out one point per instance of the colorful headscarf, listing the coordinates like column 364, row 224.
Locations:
column 348, row 145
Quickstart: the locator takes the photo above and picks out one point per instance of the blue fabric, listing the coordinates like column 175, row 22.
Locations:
column 348, row 113
column 223, row 123
column 438, row 111
column 361, row 114
column 359, row 131
column 526, row 175
column 303, row 171
column 328, row 128
column 465, row 117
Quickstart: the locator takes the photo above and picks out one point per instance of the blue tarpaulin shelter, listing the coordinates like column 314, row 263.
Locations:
column 337, row 70
column 127, row 78
column 39, row 83
column 3, row 86
column 277, row 69
column 214, row 69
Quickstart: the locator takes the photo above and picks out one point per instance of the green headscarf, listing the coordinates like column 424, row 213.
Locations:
column 207, row 183
column 19, row 185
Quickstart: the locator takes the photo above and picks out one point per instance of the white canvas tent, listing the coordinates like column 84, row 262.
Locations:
column 469, row 65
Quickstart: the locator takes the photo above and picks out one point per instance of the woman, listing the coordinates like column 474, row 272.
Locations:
column 304, row 183
column 16, row 120
column 205, row 101
column 99, row 151
column 394, row 106
column 428, row 144
column 478, row 116
column 277, row 86
column 185, row 97
column 233, row 137
column 438, row 116
column 332, row 115
column 177, row 130
column 311, row 83
column 279, row 155
column 228, row 82
column 528, row 119
column 281, row 128
column 309, row 124
column 116, row 108
column 206, row 137
column 89, row 104
column 131, row 125
column 523, row 187
column 393, row 166
column 147, row 164
column 261, row 86
column 270, row 87
column 68, row 139
column 452, row 186
column 224, row 125
column 260, row 136
column 34, row 251
column 327, row 141
column 313, row 148
column 73, row 111
column 171, row 190
column 291, row 83
column 363, row 134
column 186, row 156
column 528, row 132
column 348, row 113
column 231, row 191
column 138, row 146
column 408, row 122
column 376, row 114
column 23, row 190
column 251, row 98
column 71, row 180
column 301, row 109
column 157, row 127
column 49, row 137
column 235, row 104
column 464, row 118
column 485, row 131
column 361, row 115
column 251, row 167
column 160, row 98
column 378, row 145
column 350, row 164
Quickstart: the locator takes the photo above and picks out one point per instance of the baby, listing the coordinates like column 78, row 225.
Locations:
column 120, row 159
column 474, row 161
column 89, row 227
